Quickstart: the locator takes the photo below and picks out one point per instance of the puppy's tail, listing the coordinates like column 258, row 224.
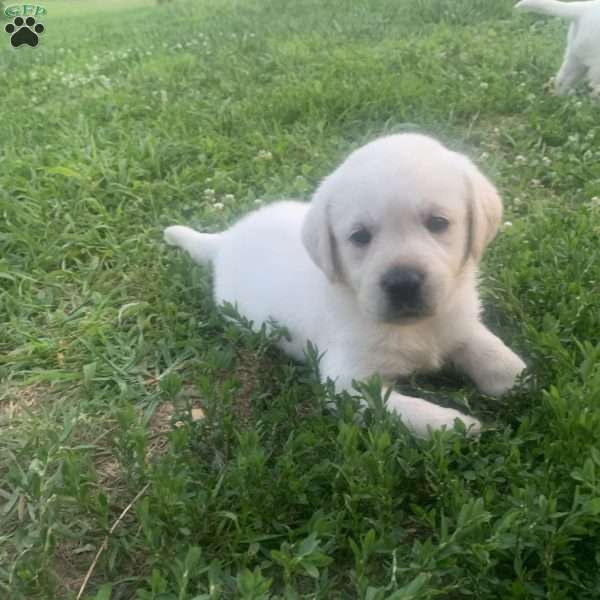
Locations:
column 566, row 10
column 202, row 247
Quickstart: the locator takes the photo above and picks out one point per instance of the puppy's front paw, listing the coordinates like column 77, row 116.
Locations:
column 448, row 420
column 422, row 417
column 501, row 377
column 550, row 86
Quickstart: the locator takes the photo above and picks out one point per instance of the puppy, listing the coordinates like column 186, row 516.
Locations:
column 379, row 271
column 582, row 56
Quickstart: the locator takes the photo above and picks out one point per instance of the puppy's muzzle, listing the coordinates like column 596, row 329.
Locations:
column 403, row 289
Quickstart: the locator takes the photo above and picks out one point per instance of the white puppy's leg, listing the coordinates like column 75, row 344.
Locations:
column 419, row 415
column 570, row 72
column 594, row 79
column 488, row 361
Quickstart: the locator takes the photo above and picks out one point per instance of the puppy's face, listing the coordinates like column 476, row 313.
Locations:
column 399, row 222
column 399, row 247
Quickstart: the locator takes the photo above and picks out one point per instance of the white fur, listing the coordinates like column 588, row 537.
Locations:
column 295, row 263
column 582, row 56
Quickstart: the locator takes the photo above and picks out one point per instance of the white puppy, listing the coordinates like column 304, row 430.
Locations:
column 378, row 271
column 582, row 57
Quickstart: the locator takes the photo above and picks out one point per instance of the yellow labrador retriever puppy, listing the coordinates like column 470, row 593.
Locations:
column 379, row 271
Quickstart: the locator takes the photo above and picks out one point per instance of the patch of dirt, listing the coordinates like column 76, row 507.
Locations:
column 71, row 561
column 159, row 425
column 109, row 472
column 247, row 373
column 16, row 400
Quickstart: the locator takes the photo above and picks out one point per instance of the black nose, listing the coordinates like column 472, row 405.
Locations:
column 403, row 287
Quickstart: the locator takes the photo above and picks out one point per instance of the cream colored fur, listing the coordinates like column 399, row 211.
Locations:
column 298, row 264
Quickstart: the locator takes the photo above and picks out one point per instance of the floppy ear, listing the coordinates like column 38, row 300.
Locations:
column 484, row 211
column 317, row 236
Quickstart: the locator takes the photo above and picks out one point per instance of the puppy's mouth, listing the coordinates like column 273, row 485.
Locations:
column 406, row 310
column 406, row 316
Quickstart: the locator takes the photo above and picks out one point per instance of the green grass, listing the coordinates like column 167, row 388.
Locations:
column 132, row 116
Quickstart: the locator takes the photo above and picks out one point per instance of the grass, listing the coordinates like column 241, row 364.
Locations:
column 131, row 116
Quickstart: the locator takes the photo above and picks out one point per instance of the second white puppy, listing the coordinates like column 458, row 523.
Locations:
column 582, row 56
column 378, row 271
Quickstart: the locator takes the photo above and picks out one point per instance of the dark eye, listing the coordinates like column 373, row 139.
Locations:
column 361, row 237
column 437, row 224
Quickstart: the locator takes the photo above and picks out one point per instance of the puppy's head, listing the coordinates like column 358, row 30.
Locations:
column 401, row 221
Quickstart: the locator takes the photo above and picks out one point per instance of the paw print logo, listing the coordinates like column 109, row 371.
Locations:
column 24, row 32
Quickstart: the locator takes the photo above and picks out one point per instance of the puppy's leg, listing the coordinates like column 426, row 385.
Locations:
column 419, row 415
column 594, row 79
column 570, row 72
column 487, row 361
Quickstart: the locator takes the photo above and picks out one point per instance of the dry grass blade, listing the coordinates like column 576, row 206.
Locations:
column 104, row 544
